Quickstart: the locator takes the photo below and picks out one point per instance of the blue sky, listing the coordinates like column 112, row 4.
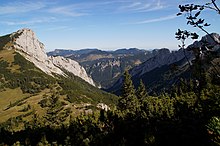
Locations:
column 103, row 24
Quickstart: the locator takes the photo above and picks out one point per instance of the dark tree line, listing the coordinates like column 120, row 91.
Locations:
column 150, row 120
column 140, row 119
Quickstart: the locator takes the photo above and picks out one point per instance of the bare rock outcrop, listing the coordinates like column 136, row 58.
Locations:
column 26, row 43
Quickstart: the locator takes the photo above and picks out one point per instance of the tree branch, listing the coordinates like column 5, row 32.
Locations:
column 215, row 5
column 207, row 33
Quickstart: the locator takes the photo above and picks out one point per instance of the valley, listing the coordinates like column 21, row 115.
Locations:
column 105, row 67
column 114, row 73
column 40, row 91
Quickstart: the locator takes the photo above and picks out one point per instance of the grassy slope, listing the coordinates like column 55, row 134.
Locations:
column 23, row 85
column 7, row 97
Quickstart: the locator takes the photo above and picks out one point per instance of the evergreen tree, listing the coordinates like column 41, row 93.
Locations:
column 128, row 100
column 141, row 91
column 205, row 53
column 128, row 87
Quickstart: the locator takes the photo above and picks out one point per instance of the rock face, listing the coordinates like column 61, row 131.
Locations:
column 155, row 71
column 166, row 67
column 71, row 66
column 211, row 41
column 164, row 57
column 105, row 67
column 26, row 43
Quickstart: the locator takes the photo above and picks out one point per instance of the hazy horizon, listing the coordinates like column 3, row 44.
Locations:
column 150, row 49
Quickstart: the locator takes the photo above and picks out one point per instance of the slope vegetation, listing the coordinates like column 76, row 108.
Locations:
column 27, row 91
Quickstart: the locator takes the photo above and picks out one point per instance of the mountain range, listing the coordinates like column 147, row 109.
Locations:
column 166, row 68
column 34, row 83
column 159, row 69
column 159, row 72
column 106, row 67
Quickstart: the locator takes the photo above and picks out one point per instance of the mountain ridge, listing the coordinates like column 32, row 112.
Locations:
column 105, row 67
column 25, row 42
column 27, row 91
column 160, row 72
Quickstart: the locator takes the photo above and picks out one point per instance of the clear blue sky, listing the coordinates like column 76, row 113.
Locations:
column 103, row 24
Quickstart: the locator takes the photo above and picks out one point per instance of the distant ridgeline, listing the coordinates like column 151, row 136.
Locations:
column 106, row 67
column 165, row 69
column 159, row 69
column 159, row 72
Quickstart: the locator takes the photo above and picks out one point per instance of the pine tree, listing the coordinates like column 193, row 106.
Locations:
column 128, row 87
column 141, row 91
column 128, row 100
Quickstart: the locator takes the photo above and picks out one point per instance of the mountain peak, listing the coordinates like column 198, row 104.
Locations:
column 212, row 40
column 26, row 43
column 25, row 30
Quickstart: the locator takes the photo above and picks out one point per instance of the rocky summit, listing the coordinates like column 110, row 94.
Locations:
column 25, row 42
column 33, row 84
column 163, row 57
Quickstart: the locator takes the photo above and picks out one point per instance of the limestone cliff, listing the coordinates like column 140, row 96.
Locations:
column 26, row 43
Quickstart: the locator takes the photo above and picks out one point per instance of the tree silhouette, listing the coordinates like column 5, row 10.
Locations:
column 128, row 100
column 141, row 91
column 205, row 53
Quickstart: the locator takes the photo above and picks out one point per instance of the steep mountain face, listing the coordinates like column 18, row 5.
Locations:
column 164, row 57
column 166, row 68
column 211, row 41
column 72, row 67
column 157, row 71
column 105, row 67
column 26, row 43
column 33, row 84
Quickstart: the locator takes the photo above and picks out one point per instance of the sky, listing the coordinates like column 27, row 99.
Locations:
column 102, row 24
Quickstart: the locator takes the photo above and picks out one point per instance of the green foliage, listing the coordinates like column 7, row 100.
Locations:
column 52, row 112
column 141, row 92
column 128, row 87
column 178, row 118
column 32, row 80
column 17, row 103
column 161, row 120
column 3, row 41
column 29, row 78
column 213, row 128
column 205, row 54
column 128, row 101
column 78, row 91
column 55, row 115
column 157, row 107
